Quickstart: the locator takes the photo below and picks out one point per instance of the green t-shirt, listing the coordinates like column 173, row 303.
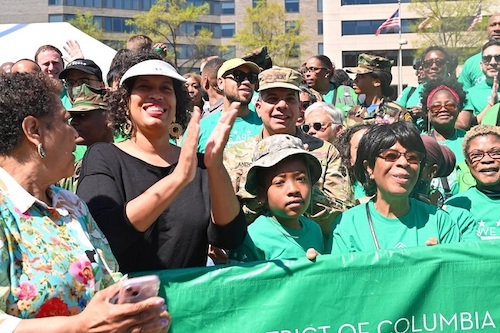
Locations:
column 422, row 222
column 484, row 208
column 345, row 98
column 413, row 100
column 267, row 239
column 478, row 97
column 465, row 222
column 471, row 73
column 243, row 128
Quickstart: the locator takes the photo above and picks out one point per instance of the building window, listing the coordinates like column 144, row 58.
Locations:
column 215, row 8
column 291, row 26
column 254, row 2
column 55, row 2
column 320, row 27
column 292, row 6
column 319, row 5
column 369, row 27
column 227, row 8
column 56, row 18
column 320, row 48
column 350, row 58
column 227, row 29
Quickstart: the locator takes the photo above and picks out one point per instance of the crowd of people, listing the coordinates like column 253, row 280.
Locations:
column 148, row 169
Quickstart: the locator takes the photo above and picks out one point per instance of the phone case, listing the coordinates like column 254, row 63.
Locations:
column 138, row 289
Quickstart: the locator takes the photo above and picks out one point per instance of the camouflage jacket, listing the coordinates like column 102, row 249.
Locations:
column 330, row 196
column 386, row 112
column 71, row 182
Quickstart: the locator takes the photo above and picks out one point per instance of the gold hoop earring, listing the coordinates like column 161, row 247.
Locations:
column 175, row 130
column 41, row 151
column 127, row 127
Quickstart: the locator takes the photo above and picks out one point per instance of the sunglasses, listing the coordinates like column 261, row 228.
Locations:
column 316, row 126
column 477, row 155
column 305, row 104
column 435, row 108
column 240, row 76
column 486, row 59
column 438, row 61
column 392, row 155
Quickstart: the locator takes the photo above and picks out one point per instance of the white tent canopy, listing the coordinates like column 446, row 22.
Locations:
column 19, row 41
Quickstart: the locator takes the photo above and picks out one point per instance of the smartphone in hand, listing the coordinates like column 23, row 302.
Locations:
column 138, row 289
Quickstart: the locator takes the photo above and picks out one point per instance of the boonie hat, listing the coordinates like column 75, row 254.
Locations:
column 280, row 77
column 84, row 65
column 275, row 149
column 368, row 63
column 235, row 63
column 88, row 99
column 152, row 67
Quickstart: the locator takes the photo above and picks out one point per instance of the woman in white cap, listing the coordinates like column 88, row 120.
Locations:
column 159, row 205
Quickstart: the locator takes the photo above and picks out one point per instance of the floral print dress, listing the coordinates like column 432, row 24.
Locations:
column 53, row 259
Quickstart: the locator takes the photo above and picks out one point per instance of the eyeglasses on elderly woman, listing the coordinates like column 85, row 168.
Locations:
column 392, row 155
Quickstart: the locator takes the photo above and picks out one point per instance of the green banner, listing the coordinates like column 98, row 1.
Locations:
column 447, row 288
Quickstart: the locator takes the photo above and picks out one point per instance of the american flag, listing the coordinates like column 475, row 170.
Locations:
column 476, row 19
column 392, row 22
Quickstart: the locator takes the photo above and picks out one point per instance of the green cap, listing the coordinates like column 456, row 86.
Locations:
column 88, row 99
column 274, row 149
column 368, row 63
column 280, row 77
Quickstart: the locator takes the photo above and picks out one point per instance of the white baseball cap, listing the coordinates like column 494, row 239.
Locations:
column 152, row 67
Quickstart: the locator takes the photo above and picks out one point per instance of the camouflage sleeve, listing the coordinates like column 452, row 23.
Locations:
column 332, row 194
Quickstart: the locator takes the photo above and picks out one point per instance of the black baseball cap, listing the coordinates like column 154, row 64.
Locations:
column 84, row 65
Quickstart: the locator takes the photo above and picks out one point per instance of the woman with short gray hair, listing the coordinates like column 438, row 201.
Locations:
column 324, row 121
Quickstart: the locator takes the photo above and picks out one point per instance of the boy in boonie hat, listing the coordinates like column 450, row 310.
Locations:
column 282, row 175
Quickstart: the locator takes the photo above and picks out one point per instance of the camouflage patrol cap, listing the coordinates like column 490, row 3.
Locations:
column 274, row 149
column 280, row 77
column 368, row 63
column 88, row 99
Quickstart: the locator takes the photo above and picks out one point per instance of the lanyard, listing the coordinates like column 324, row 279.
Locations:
column 372, row 229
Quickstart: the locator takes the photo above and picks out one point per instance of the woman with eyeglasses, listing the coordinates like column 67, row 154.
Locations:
column 434, row 63
column 481, row 147
column 323, row 121
column 317, row 73
column 443, row 101
column 389, row 162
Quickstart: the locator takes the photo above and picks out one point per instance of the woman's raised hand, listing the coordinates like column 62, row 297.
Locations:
column 102, row 316
column 188, row 160
column 218, row 138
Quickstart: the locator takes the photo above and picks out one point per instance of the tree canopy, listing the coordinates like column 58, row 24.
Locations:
column 266, row 25
column 172, row 22
column 447, row 24
column 86, row 23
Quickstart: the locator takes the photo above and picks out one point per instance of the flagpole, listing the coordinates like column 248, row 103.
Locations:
column 400, row 55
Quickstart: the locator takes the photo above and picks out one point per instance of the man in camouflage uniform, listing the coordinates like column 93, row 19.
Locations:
column 373, row 79
column 278, row 106
column 89, row 118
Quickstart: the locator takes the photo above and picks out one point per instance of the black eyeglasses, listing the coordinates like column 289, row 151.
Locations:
column 240, row 76
column 305, row 104
column 79, row 82
column 438, row 61
column 312, row 69
column 477, row 155
column 392, row 155
column 317, row 126
column 486, row 59
column 450, row 107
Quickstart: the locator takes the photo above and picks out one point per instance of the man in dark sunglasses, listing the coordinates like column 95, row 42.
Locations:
column 482, row 96
column 237, row 79
column 278, row 106
column 471, row 73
